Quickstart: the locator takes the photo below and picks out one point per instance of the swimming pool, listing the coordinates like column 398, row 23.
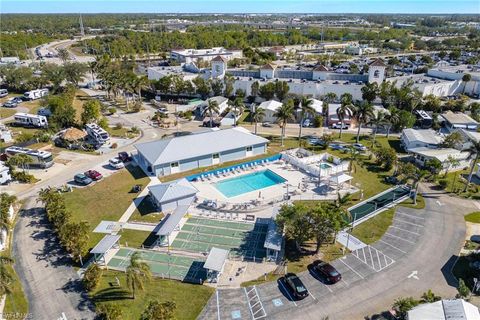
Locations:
column 250, row 182
column 324, row 165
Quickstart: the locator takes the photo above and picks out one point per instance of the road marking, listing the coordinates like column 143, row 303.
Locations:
column 439, row 203
column 391, row 235
column 218, row 307
column 409, row 215
column 413, row 224
column 327, row 287
column 413, row 275
column 388, row 244
column 416, row 233
column 288, row 293
column 346, row 283
column 358, row 274
column 311, row 295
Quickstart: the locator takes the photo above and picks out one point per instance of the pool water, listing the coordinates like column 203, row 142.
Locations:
column 247, row 183
column 324, row 165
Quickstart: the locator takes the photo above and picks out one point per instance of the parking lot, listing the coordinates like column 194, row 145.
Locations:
column 271, row 300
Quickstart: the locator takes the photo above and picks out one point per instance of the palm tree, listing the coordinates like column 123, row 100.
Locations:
column 344, row 111
column 283, row 114
column 451, row 162
column 139, row 84
column 474, row 150
column 305, row 108
column 377, row 120
column 257, row 115
column 466, row 79
column 6, row 277
column 418, row 177
column 212, row 107
column 137, row 272
column 363, row 112
column 237, row 107
column 20, row 160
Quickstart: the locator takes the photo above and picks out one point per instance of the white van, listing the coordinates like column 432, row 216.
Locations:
column 3, row 93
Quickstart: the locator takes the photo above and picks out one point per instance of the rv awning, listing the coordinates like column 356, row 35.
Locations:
column 168, row 224
column 340, row 178
column 216, row 259
column 105, row 244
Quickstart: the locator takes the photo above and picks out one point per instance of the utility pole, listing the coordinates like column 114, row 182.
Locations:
column 82, row 31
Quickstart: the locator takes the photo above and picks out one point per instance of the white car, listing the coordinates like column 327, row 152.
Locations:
column 338, row 125
column 116, row 163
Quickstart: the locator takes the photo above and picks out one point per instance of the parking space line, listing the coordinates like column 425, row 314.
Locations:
column 288, row 293
column 346, row 283
column 409, row 215
column 218, row 307
column 358, row 274
column 413, row 224
column 311, row 295
column 416, row 233
column 378, row 257
column 371, row 257
column 394, row 236
column 364, row 256
column 388, row 244
column 327, row 287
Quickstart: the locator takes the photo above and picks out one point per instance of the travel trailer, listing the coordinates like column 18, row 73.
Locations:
column 30, row 120
column 35, row 94
column 40, row 159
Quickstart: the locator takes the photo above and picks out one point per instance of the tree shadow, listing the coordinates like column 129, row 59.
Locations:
column 111, row 294
column 447, row 269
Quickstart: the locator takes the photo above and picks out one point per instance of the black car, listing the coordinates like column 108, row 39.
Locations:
column 296, row 286
column 327, row 271
column 124, row 156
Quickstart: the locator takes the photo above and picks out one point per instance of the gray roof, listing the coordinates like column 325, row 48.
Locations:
column 105, row 244
column 428, row 136
column 445, row 310
column 216, row 259
column 458, row 118
column 274, row 238
column 173, row 190
column 195, row 145
column 168, row 224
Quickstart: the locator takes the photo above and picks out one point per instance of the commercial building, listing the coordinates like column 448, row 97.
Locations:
column 189, row 55
column 457, row 309
column 168, row 156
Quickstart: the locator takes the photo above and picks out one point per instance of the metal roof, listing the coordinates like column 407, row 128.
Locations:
column 196, row 145
column 441, row 154
column 425, row 135
column 274, row 238
column 105, row 244
column 168, row 224
column 445, row 310
column 216, row 259
column 458, row 118
column 270, row 105
column 173, row 190
column 340, row 178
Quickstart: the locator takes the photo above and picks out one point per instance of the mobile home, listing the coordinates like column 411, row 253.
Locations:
column 30, row 120
column 35, row 94
column 40, row 159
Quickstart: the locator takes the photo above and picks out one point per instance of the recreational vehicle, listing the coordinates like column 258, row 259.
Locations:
column 5, row 176
column 97, row 133
column 3, row 93
column 35, row 94
column 30, row 120
column 40, row 159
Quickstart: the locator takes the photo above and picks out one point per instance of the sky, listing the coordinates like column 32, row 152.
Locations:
column 240, row 6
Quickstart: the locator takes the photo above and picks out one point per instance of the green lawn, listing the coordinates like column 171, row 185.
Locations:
column 121, row 132
column 137, row 238
column 456, row 184
column 366, row 140
column 189, row 298
column 6, row 112
column 106, row 200
column 473, row 217
column 146, row 212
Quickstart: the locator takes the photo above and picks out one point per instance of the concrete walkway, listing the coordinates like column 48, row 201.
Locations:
column 136, row 202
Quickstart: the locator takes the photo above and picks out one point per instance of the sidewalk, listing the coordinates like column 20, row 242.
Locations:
column 136, row 202
column 353, row 243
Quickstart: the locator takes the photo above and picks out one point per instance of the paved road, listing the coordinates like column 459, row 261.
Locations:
column 51, row 285
column 420, row 243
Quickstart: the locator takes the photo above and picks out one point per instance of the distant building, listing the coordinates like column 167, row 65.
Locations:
column 333, row 118
column 422, row 155
column 188, row 55
column 270, row 108
column 457, row 309
column 360, row 50
column 9, row 60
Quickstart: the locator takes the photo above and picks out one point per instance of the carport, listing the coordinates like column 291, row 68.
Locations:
column 215, row 263
column 170, row 224
column 273, row 241
column 102, row 252
column 339, row 179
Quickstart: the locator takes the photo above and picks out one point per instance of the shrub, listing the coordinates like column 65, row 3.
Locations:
column 118, row 126
column 463, row 290
column 443, row 183
column 317, row 121
column 112, row 110
column 134, row 130
column 109, row 311
column 114, row 146
column 24, row 137
column 23, row 177
column 92, row 276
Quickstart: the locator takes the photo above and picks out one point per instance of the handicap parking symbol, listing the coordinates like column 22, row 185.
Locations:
column 236, row 314
column 277, row 302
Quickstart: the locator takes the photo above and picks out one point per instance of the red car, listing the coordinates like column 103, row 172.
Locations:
column 94, row 175
column 327, row 271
